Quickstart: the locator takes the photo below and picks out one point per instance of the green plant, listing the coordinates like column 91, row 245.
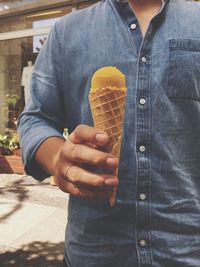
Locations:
column 12, row 99
column 8, row 143
column 4, row 143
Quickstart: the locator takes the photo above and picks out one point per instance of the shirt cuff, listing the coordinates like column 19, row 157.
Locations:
column 28, row 153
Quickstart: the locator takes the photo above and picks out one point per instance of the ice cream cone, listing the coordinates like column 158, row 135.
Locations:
column 107, row 105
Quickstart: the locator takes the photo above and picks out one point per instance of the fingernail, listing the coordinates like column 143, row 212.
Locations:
column 101, row 137
column 112, row 162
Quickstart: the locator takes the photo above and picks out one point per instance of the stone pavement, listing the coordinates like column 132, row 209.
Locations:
column 33, row 217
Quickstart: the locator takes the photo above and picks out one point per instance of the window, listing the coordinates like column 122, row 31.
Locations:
column 19, row 47
column 22, row 34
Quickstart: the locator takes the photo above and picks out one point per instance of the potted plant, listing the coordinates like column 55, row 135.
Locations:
column 4, row 144
column 9, row 144
column 15, row 145
column 12, row 100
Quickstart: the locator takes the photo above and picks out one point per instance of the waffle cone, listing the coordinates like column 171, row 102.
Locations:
column 107, row 106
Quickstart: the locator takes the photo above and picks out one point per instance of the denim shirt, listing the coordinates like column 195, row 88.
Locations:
column 156, row 219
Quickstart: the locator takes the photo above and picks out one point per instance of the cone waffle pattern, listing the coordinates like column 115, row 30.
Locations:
column 107, row 106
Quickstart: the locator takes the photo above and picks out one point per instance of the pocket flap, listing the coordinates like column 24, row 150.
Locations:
column 185, row 44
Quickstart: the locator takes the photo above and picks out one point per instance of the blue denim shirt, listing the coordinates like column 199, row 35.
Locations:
column 156, row 219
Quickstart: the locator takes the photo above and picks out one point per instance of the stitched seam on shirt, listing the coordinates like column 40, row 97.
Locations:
column 57, row 38
column 184, row 49
column 187, row 98
column 59, row 45
column 61, row 64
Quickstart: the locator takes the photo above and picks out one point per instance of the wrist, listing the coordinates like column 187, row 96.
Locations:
column 48, row 153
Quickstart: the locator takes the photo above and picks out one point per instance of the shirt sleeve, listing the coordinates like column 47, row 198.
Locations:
column 43, row 117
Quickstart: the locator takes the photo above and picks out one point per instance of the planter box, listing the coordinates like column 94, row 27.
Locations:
column 11, row 164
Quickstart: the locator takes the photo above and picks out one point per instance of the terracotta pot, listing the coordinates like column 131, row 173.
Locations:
column 17, row 152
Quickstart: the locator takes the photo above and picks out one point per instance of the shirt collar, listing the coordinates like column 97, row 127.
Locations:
column 126, row 1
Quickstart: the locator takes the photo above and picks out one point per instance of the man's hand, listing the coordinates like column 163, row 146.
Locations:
column 79, row 151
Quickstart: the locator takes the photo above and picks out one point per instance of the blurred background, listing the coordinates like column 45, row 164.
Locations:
column 24, row 26
column 33, row 214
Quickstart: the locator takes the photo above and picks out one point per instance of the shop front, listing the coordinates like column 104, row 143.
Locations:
column 24, row 27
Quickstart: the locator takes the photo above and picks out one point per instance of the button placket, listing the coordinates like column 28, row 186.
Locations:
column 143, row 126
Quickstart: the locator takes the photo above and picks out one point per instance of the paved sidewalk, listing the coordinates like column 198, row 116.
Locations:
column 33, row 217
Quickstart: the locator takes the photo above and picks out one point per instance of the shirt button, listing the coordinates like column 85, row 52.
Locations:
column 144, row 59
column 133, row 26
column 142, row 148
column 143, row 243
column 142, row 101
column 142, row 196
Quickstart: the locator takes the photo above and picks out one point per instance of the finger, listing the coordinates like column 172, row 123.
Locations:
column 111, row 170
column 72, row 189
column 83, row 154
column 89, row 144
column 81, row 177
column 84, row 133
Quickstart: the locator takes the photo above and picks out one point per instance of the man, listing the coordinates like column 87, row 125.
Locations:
column 156, row 219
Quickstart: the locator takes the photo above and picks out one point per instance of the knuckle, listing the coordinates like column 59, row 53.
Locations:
column 79, row 129
column 98, row 183
column 74, row 176
column 77, row 192
column 73, row 152
column 66, row 147
column 117, row 182
column 75, row 180
column 97, row 160
column 61, row 185
column 79, row 155
column 58, row 171
column 97, row 180
column 64, row 151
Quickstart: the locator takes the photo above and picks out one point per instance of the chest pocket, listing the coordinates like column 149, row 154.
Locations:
column 184, row 69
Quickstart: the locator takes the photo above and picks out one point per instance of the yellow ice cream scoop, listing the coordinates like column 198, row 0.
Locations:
column 108, row 77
